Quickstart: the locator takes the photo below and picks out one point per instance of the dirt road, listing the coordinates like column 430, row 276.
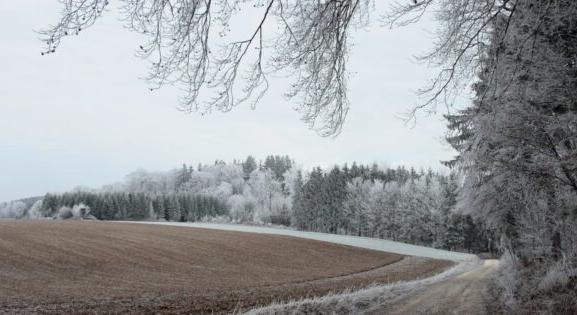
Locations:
column 463, row 294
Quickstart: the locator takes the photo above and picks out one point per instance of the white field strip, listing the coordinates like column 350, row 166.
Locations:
column 362, row 242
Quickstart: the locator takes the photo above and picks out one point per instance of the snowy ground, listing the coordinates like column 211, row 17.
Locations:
column 459, row 290
column 362, row 242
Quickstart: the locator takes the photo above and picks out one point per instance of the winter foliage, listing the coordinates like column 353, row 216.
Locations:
column 193, row 44
column 12, row 209
column 396, row 204
column 24, row 208
column 76, row 212
column 517, row 144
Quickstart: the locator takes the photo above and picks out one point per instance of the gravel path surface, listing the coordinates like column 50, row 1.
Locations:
column 463, row 294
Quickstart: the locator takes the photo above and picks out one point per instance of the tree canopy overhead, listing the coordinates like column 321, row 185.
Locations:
column 190, row 43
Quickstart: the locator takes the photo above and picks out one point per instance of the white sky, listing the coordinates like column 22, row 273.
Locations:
column 82, row 116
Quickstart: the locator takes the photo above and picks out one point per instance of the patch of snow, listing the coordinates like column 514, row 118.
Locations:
column 362, row 242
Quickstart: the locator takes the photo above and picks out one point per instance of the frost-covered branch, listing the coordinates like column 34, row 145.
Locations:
column 189, row 44
column 465, row 31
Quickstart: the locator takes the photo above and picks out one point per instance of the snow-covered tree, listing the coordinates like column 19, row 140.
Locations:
column 517, row 143
column 12, row 209
column 357, row 207
column 35, row 212
column 248, row 166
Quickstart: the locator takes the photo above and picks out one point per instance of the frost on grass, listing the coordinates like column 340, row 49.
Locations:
column 366, row 300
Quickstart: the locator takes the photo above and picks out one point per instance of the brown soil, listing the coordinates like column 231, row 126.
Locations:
column 97, row 267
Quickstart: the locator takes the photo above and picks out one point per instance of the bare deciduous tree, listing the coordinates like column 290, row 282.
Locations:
column 188, row 45
column 465, row 30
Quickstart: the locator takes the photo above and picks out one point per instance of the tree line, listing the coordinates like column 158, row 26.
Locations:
column 400, row 204
column 137, row 206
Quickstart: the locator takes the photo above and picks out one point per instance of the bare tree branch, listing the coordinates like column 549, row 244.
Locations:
column 189, row 45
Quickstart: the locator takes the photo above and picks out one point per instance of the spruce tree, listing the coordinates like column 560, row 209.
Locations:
column 248, row 166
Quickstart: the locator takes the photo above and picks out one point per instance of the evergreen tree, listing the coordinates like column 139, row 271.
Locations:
column 336, row 193
column 298, row 202
column 249, row 166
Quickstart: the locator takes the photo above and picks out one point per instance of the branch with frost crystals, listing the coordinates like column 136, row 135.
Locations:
column 189, row 45
column 464, row 33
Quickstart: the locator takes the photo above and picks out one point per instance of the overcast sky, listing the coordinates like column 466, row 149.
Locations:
column 81, row 117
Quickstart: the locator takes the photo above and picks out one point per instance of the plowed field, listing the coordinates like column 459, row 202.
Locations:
column 101, row 267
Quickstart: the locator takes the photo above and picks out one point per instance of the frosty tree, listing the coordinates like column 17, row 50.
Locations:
column 517, row 145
